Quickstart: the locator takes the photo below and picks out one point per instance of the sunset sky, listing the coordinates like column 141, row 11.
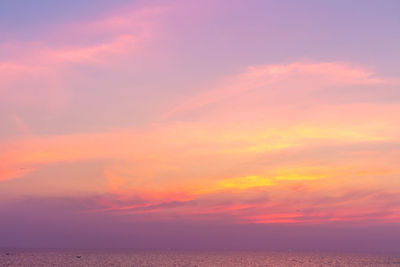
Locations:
column 212, row 124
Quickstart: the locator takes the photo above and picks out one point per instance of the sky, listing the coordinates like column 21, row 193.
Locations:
column 249, row 125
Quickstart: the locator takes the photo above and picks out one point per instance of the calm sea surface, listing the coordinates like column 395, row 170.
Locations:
column 147, row 258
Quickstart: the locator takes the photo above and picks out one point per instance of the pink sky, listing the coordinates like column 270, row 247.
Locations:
column 259, row 114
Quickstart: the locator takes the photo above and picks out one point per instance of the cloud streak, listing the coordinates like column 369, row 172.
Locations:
column 167, row 166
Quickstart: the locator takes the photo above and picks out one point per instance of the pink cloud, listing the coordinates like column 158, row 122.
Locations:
column 278, row 85
column 35, row 71
column 247, row 166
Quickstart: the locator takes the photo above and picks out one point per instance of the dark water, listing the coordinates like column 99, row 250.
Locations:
column 210, row 259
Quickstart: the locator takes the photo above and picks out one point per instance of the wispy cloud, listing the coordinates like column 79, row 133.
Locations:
column 281, row 85
column 208, row 158
column 32, row 72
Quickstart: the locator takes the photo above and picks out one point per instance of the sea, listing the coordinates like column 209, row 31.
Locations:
column 190, row 258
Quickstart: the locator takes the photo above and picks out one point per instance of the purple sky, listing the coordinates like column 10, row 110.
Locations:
column 259, row 125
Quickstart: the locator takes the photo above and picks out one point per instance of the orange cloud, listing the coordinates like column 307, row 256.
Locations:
column 321, row 159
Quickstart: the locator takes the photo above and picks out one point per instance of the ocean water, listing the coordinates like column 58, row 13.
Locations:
column 177, row 258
